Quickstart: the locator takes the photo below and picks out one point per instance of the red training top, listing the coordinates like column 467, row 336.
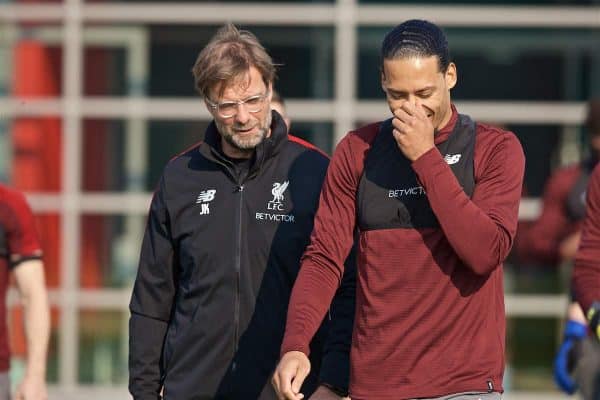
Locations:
column 540, row 242
column 430, row 303
column 586, row 273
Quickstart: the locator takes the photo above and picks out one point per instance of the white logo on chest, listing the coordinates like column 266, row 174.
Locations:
column 276, row 205
column 277, row 192
column 452, row 158
column 204, row 198
column 411, row 191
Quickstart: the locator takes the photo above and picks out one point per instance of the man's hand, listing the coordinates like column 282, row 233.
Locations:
column 289, row 375
column 569, row 245
column 324, row 393
column 31, row 389
column 413, row 130
column 566, row 357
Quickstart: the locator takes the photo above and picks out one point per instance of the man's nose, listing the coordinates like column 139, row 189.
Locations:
column 242, row 115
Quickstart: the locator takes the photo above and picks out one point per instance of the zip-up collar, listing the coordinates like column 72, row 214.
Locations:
column 269, row 147
column 445, row 132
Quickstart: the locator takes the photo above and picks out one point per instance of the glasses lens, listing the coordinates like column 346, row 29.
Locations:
column 227, row 109
column 255, row 103
column 230, row 108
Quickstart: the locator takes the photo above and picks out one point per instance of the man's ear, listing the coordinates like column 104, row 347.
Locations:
column 451, row 76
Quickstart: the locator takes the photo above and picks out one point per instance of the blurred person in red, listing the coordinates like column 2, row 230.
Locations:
column 434, row 197
column 20, row 253
column 553, row 239
column 586, row 285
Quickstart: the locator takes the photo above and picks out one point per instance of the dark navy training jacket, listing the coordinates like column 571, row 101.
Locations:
column 217, row 265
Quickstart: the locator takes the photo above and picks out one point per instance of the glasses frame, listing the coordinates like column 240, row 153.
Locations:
column 238, row 103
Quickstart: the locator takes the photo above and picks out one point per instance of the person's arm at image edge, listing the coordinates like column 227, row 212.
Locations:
column 30, row 282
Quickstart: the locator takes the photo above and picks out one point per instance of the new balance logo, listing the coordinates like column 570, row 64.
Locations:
column 452, row 159
column 204, row 198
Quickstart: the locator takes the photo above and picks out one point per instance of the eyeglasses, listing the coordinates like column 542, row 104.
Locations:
column 228, row 109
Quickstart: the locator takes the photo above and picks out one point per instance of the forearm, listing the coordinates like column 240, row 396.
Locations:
column 30, row 282
column 322, row 266
column 480, row 229
column 37, row 330
column 146, row 338
column 335, row 365
column 310, row 299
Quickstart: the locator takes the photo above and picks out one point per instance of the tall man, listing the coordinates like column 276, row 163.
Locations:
column 586, row 285
column 227, row 226
column 20, row 253
column 435, row 198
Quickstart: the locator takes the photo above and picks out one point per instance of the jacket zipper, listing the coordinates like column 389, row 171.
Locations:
column 238, row 266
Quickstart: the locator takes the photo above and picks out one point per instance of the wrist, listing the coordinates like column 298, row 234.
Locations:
column 35, row 375
column 575, row 329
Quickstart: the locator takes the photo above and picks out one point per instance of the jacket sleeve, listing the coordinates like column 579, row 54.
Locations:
column 480, row 229
column 335, row 366
column 151, row 302
column 322, row 265
column 586, row 273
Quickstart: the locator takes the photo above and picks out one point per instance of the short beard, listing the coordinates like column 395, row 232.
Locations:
column 246, row 145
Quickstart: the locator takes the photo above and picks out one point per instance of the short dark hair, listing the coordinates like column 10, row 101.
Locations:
column 416, row 38
column 230, row 53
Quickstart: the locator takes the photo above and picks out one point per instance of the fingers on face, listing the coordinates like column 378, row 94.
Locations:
column 404, row 119
column 401, row 126
column 409, row 109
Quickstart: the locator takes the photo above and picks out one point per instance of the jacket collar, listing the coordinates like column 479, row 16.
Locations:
column 443, row 134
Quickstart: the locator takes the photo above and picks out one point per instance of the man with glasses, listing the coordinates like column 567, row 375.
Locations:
column 227, row 226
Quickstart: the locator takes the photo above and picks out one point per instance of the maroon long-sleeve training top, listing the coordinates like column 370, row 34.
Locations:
column 430, row 304
column 541, row 241
column 586, row 273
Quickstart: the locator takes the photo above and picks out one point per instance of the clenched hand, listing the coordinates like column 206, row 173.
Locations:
column 289, row 375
